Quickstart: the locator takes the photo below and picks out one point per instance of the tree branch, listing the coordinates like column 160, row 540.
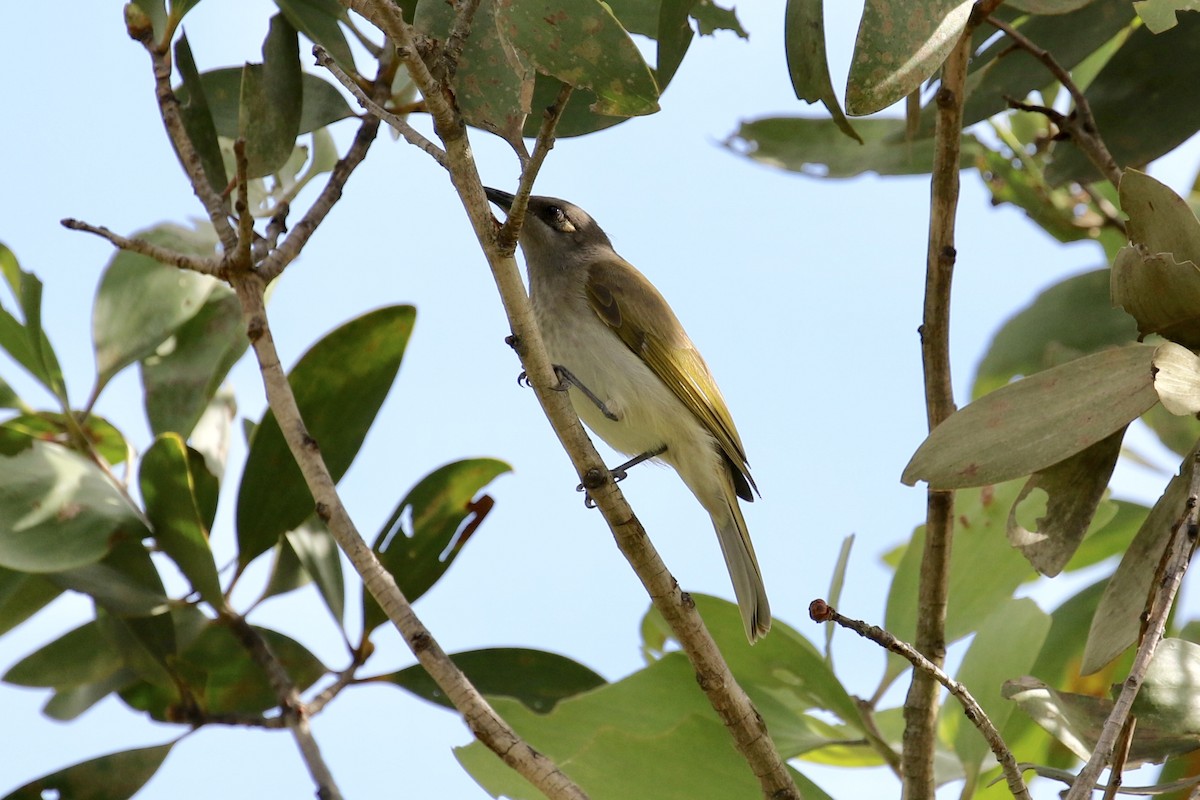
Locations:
column 1080, row 125
column 820, row 611
column 1176, row 558
column 206, row 266
column 294, row 715
column 726, row 696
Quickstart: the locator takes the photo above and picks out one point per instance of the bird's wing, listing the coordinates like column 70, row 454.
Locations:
column 625, row 301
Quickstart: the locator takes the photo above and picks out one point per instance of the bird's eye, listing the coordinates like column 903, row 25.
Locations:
column 558, row 220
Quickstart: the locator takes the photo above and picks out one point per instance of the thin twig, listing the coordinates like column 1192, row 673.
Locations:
column 1119, row 758
column 242, row 254
column 168, row 107
column 820, row 611
column 206, row 266
column 866, row 715
column 742, row 720
column 303, row 230
column 1080, row 125
column 398, row 123
column 292, row 708
column 921, row 703
column 515, row 218
column 487, row 726
column 1178, row 555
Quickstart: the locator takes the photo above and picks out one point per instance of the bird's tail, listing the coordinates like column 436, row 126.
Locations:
column 743, row 567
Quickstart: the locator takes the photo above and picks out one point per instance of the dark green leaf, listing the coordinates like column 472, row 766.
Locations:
column 537, row 678
column 444, row 509
column 165, row 479
column 318, row 20
column 67, row 704
column 711, row 18
column 9, row 398
column 27, row 343
column 182, row 379
column 1052, row 514
column 674, row 35
column 233, row 682
column 808, row 63
column 116, row 776
column 102, row 438
column 578, row 118
column 641, row 16
column 582, row 44
column 1068, row 320
column 322, row 103
column 339, row 385
column 1038, row 421
column 1118, row 619
column 271, row 100
column 318, row 553
column 899, row 46
column 1134, row 87
column 817, row 147
column 141, row 302
column 197, row 119
column 58, row 511
column 21, row 596
column 79, row 656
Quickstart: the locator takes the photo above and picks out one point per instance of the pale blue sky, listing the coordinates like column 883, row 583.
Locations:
column 804, row 296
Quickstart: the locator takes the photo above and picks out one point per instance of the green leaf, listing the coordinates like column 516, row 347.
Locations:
column 233, row 683
column 140, row 302
column 1038, row 421
column 674, row 35
column 183, row 376
column 339, row 386
column 1159, row 220
column 67, row 704
column 1113, row 528
column 58, row 511
column 1170, row 695
column 991, row 660
column 27, row 343
column 1159, row 15
column 322, row 104
column 582, row 44
column 318, row 20
column 808, row 63
column 1177, row 379
column 116, row 776
column 1068, row 320
column 1048, row 521
column 165, row 479
column 1133, row 87
column 493, row 81
column 21, row 596
column 100, row 436
column 538, row 679
column 80, row 656
column 819, row 148
column 430, row 526
column 711, row 18
column 578, row 118
column 1117, row 623
column 900, row 44
column 197, row 119
column 836, row 582
column 1160, row 293
column 271, row 100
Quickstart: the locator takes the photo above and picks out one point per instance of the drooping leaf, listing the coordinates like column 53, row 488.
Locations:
column 271, row 100
column 582, row 44
column 198, row 120
column 27, row 343
column 233, row 682
column 21, row 596
column 1118, row 618
column 1068, row 320
column 808, row 63
column 115, row 776
column 81, row 655
column 169, row 492
column 318, row 20
column 538, row 679
column 321, row 103
column 1131, row 88
column 836, row 582
column 58, row 511
column 182, row 377
column 140, row 302
column 674, row 35
column 339, row 386
column 989, row 662
column 318, row 554
column 67, row 704
column 1038, row 421
column 899, row 46
column 818, row 148
column 1048, row 521
column 430, row 526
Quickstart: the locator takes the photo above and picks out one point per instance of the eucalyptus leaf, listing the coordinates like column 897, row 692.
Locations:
column 270, row 101
column 1159, row 219
column 1161, row 15
column 808, row 62
column 1038, row 421
column 1159, row 292
column 319, row 21
column 1177, row 379
column 115, row 776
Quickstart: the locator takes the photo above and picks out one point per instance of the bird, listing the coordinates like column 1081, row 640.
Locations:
column 636, row 379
